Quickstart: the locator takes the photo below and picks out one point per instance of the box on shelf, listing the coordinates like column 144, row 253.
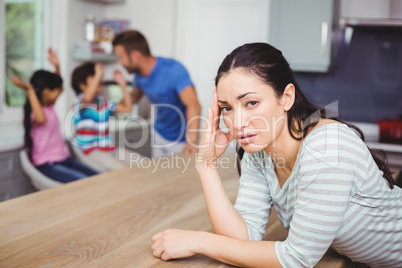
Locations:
column 106, row 30
column 100, row 50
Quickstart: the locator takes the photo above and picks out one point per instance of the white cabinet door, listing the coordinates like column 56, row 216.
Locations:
column 302, row 31
column 208, row 30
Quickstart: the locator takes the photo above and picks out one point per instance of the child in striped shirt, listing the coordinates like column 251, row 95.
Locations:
column 91, row 113
column 326, row 186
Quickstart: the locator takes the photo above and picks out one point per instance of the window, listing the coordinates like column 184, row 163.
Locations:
column 24, row 45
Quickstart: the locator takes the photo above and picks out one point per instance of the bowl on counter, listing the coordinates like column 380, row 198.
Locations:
column 390, row 130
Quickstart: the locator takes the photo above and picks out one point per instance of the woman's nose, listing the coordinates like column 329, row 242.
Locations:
column 239, row 119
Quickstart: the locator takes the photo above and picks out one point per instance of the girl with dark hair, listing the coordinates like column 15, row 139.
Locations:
column 43, row 139
column 326, row 186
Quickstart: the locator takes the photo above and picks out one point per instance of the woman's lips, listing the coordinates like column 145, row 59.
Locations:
column 246, row 138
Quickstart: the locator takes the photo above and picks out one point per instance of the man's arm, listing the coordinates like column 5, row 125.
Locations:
column 126, row 104
column 136, row 95
column 189, row 98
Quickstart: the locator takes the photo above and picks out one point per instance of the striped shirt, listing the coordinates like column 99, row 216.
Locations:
column 91, row 123
column 335, row 195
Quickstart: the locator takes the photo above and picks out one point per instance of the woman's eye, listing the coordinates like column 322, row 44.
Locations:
column 225, row 109
column 251, row 103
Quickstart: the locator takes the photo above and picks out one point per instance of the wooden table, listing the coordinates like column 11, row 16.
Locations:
column 108, row 220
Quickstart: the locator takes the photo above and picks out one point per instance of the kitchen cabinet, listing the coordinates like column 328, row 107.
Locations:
column 13, row 181
column 303, row 31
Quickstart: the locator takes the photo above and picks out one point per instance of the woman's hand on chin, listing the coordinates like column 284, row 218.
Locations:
column 174, row 244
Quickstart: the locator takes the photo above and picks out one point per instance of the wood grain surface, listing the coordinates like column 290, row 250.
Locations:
column 108, row 220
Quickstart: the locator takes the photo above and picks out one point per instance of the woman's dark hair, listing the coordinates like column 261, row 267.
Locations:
column 80, row 75
column 40, row 80
column 269, row 65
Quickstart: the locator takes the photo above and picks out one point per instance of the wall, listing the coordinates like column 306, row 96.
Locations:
column 154, row 18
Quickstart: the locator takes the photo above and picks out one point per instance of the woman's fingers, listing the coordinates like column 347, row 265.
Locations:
column 216, row 110
column 157, row 246
column 174, row 244
column 156, row 236
column 215, row 105
column 157, row 251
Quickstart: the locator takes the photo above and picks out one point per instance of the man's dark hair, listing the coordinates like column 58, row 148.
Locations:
column 132, row 40
column 80, row 75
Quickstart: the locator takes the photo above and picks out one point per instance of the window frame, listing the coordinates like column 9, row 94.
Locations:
column 14, row 115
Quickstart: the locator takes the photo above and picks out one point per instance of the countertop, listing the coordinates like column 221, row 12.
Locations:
column 108, row 220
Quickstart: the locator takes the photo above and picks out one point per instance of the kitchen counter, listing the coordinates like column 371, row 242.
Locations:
column 372, row 135
column 108, row 220
column 387, row 147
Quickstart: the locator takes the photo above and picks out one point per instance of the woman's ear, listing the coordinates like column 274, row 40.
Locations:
column 288, row 97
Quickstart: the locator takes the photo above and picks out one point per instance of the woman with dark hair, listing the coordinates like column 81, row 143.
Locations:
column 326, row 186
column 44, row 142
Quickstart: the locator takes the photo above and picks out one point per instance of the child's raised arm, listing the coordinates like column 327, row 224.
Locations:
column 54, row 59
column 126, row 104
column 93, row 84
column 39, row 115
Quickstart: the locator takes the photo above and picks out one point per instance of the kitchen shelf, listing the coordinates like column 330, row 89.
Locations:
column 106, row 1
column 370, row 23
column 93, row 56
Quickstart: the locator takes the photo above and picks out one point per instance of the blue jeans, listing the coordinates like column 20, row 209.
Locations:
column 66, row 171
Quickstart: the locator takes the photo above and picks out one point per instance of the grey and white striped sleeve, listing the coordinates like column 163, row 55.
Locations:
column 253, row 201
column 326, row 181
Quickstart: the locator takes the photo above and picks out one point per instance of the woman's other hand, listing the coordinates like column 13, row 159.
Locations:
column 174, row 244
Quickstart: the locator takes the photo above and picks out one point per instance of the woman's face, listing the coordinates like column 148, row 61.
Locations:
column 251, row 111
